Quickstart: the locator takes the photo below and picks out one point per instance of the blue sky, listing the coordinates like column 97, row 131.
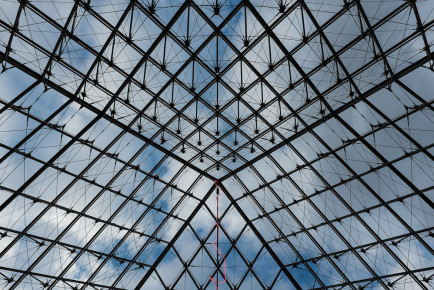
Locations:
column 131, row 191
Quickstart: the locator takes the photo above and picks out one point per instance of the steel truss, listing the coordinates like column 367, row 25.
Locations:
column 119, row 119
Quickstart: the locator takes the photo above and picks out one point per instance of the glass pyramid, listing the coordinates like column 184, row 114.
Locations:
column 216, row 144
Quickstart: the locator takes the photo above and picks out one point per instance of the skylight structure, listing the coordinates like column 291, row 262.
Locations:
column 254, row 144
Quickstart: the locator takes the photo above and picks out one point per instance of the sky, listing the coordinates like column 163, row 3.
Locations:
column 88, row 194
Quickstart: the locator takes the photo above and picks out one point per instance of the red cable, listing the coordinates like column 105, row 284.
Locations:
column 214, row 281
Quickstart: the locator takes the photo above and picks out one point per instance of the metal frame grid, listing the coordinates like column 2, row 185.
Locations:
column 314, row 117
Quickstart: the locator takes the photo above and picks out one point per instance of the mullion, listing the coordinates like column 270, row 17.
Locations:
column 371, row 34
column 43, row 168
column 422, row 31
column 30, row 135
column 353, row 132
column 345, row 145
column 95, row 253
column 174, row 239
column 107, row 117
column 342, row 108
column 373, row 192
column 134, row 80
column 14, row 30
column 180, row 82
column 363, row 139
column 363, row 248
column 259, row 236
column 205, row 103
column 60, row 152
column 206, row 87
column 178, row 256
column 188, row 104
column 139, row 219
column 248, row 263
column 156, row 96
column 384, row 116
column 84, row 179
column 143, row 215
column 154, row 234
column 275, row 280
column 309, row 164
column 33, row 274
column 70, row 210
column 349, row 79
column 293, row 248
column 411, row 186
column 241, row 56
column 172, row 77
column 202, row 242
column 161, row 280
column 91, row 123
column 327, row 91
column 233, row 246
column 186, row 269
column 59, row 41
column 278, row 96
column 339, row 219
column 88, row 144
column 271, row 88
column 229, row 88
column 47, row 164
column 370, row 280
column 322, row 215
column 88, row 205
column 300, row 224
column 10, row 104
column 415, row 95
column 15, row 149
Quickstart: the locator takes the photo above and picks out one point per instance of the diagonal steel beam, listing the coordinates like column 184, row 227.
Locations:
column 368, row 93
column 259, row 236
column 350, row 129
column 175, row 238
